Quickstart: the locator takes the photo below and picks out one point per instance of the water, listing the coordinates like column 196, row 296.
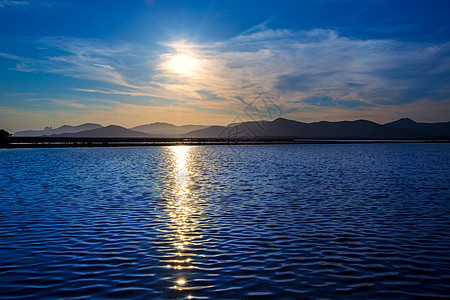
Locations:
column 276, row 221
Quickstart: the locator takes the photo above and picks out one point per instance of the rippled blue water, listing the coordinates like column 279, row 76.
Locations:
column 276, row 221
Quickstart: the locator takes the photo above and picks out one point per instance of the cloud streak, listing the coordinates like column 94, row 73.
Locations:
column 320, row 64
column 29, row 4
column 5, row 3
column 303, row 70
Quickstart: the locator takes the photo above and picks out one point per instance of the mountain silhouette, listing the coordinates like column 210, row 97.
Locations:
column 403, row 123
column 289, row 128
column 441, row 129
column 108, row 131
column 59, row 130
column 160, row 129
column 281, row 127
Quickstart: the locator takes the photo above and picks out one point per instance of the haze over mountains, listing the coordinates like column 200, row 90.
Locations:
column 60, row 130
column 96, row 130
column 110, row 131
column 165, row 129
column 403, row 128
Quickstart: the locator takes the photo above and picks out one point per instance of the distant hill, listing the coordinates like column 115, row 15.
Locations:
column 59, row 130
column 403, row 128
column 167, row 130
column 423, row 129
column 108, row 131
column 290, row 128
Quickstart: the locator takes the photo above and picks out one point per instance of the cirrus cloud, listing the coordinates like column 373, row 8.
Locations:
column 303, row 70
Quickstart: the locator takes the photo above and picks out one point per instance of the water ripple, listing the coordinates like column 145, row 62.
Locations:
column 292, row 221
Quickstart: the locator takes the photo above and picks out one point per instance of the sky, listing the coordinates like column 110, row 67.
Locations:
column 137, row 62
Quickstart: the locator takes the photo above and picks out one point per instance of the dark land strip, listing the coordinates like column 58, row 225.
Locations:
column 70, row 142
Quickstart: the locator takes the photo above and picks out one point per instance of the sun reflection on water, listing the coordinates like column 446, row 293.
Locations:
column 182, row 211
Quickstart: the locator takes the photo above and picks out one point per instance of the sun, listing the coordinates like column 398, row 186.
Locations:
column 183, row 63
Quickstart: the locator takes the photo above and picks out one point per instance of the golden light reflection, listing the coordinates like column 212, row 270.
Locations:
column 182, row 211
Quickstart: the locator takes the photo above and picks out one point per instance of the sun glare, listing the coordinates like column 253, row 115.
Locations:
column 182, row 63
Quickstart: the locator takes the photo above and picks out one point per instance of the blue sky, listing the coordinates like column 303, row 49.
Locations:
column 112, row 62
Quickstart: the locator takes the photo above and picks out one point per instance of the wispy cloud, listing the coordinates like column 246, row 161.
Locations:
column 5, row 3
column 30, row 4
column 88, row 59
column 322, row 64
column 330, row 102
column 70, row 104
column 11, row 56
column 315, row 70
column 258, row 27
column 36, row 103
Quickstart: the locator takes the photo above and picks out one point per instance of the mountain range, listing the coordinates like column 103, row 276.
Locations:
column 96, row 130
column 60, row 130
column 402, row 128
column 167, row 130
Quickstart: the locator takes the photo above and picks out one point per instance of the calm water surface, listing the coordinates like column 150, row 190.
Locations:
column 277, row 221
